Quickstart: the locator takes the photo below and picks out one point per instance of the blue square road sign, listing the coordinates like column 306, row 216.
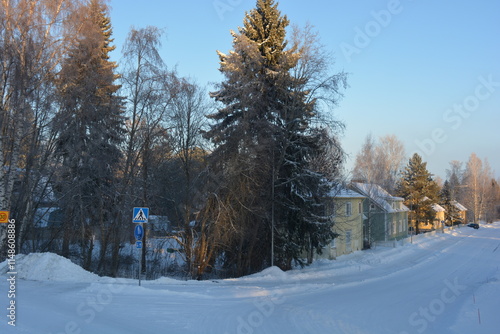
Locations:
column 140, row 215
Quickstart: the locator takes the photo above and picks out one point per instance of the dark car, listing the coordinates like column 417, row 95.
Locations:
column 473, row 225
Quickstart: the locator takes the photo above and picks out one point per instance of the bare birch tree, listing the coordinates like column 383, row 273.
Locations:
column 477, row 183
column 149, row 88
column 380, row 162
column 33, row 37
column 187, row 119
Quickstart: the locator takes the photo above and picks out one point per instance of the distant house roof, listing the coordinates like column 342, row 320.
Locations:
column 459, row 206
column 437, row 208
column 340, row 191
column 380, row 196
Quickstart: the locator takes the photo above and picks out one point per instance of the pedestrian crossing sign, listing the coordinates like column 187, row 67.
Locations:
column 140, row 215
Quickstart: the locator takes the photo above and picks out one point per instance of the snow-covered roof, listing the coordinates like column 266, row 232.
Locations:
column 344, row 192
column 380, row 196
column 437, row 208
column 459, row 206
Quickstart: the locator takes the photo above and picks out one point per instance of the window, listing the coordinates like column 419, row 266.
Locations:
column 348, row 209
column 360, row 208
column 372, row 206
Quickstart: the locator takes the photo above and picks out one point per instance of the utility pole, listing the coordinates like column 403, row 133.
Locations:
column 272, row 215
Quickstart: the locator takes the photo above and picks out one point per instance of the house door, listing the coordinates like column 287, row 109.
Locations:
column 348, row 241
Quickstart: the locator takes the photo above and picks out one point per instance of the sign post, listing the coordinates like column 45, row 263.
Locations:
column 139, row 216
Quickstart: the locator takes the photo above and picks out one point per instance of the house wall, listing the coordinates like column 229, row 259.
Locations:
column 463, row 216
column 348, row 227
column 384, row 226
column 440, row 217
column 399, row 228
column 375, row 222
column 433, row 225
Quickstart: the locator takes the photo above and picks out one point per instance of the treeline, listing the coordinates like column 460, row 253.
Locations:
column 240, row 172
column 472, row 184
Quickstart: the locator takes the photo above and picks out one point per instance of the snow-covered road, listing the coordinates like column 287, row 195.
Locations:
column 447, row 283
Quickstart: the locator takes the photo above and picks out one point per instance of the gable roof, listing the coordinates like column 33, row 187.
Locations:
column 459, row 206
column 437, row 208
column 380, row 196
column 340, row 191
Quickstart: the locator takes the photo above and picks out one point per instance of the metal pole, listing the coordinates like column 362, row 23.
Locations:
column 140, row 259
column 272, row 217
column 140, row 265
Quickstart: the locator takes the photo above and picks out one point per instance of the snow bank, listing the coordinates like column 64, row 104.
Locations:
column 49, row 267
column 270, row 274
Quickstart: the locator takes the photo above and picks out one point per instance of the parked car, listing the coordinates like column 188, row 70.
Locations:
column 473, row 225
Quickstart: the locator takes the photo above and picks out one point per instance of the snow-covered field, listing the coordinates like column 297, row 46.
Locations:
column 446, row 283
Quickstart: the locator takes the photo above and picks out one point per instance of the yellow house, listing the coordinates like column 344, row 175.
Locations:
column 439, row 218
column 461, row 212
column 346, row 209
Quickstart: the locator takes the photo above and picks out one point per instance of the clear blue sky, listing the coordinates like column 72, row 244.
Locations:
column 425, row 71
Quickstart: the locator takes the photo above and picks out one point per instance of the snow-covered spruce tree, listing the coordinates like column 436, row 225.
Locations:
column 264, row 149
column 419, row 190
column 448, row 202
column 90, row 129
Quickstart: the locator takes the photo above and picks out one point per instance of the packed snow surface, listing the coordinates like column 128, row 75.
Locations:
column 442, row 283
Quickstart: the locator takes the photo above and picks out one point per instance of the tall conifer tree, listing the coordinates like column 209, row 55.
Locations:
column 448, row 201
column 90, row 128
column 419, row 190
column 264, row 148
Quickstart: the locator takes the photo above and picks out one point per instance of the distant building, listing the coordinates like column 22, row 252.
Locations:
column 159, row 226
column 345, row 206
column 385, row 217
column 436, row 223
column 461, row 213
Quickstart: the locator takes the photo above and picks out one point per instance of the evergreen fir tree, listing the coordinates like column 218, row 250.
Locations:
column 90, row 130
column 265, row 145
column 448, row 201
column 419, row 190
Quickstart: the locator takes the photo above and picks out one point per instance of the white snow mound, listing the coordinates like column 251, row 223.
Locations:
column 48, row 267
column 271, row 273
